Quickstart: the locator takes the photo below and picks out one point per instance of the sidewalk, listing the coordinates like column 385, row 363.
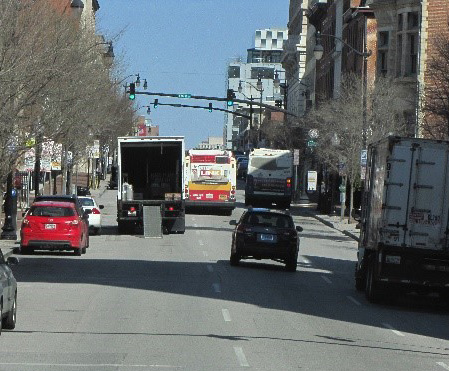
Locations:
column 333, row 221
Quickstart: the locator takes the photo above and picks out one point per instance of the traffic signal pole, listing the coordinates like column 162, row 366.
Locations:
column 201, row 97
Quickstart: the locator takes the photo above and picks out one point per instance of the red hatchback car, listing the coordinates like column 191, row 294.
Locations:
column 53, row 225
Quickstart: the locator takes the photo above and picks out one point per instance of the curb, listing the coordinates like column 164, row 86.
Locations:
column 331, row 225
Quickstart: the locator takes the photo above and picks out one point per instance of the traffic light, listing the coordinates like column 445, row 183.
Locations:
column 132, row 91
column 156, row 103
column 230, row 98
column 278, row 103
column 210, row 107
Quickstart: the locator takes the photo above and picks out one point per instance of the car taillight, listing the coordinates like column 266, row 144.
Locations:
column 171, row 208
column 95, row 211
column 289, row 182
column 132, row 209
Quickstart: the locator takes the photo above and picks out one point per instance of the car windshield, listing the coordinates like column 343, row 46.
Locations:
column 51, row 211
column 87, row 202
column 268, row 220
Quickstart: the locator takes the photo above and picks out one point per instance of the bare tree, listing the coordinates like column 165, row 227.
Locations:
column 341, row 128
column 436, row 99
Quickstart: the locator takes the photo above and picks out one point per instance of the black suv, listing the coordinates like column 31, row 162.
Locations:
column 265, row 234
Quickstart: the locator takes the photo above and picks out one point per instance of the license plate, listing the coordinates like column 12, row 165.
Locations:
column 50, row 226
column 266, row 237
column 223, row 197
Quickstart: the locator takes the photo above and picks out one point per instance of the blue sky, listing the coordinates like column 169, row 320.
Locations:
column 183, row 46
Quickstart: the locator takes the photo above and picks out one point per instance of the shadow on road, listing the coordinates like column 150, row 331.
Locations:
column 260, row 284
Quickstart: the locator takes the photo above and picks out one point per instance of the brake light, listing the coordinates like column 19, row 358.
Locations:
column 132, row 209
column 95, row 211
column 171, row 208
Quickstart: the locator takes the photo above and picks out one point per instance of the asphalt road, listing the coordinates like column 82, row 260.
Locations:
column 176, row 304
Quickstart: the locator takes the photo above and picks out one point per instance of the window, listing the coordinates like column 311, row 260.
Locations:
column 280, row 35
column 399, row 57
column 383, row 38
column 268, row 220
column 269, row 34
column 263, row 72
column 87, row 202
column 383, row 61
column 234, row 72
column 51, row 211
column 263, row 43
column 400, row 25
column 413, row 55
column 412, row 20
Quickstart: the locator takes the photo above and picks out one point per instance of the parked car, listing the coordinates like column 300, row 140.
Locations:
column 90, row 206
column 54, row 225
column 82, row 191
column 265, row 234
column 8, row 293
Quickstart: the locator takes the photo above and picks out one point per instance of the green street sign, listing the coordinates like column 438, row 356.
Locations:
column 311, row 143
column 184, row 95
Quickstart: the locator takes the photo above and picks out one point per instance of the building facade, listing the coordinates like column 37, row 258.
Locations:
column 211, row 143
column 263, row 62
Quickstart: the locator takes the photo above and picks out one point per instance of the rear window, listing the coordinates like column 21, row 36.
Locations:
column 268, row 220
column 267, row 163
column 51, row 211
column 86, row 202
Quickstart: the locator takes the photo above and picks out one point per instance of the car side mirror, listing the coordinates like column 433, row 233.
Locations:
column 233, row 222
column 12, row 260
column 299, row 229
column 101, row 207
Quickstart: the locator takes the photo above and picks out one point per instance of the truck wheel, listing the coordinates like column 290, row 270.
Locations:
column 234, row 260
column 360, row 280
column 122, row 227
column 372, row 292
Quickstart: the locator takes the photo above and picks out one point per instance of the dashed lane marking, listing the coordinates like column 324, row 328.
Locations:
column 201, row 242
column 84, row 365
column 216, row 287
column 356, row 302
column 226, row 315
column 241, row 357
column 210, row 268
column 326, row 280
column 388, row 326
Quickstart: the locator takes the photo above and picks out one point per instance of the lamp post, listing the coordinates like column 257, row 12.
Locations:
column 259, row 88
column 318, row 51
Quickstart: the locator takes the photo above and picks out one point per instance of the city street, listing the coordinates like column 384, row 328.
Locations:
column 175, row 303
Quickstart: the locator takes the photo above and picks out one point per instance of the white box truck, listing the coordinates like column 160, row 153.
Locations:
column 404, row 222
column 151, row 173
column 269, row 178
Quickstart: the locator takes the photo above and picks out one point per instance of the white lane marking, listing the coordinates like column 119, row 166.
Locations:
column 305, row 260
column 201, row 242
column 388, row 326
column 205, row 254
column 356, row 302
column 444, row 365
column 226, row 315
column 326, row 279
column 241, row 357
column 210, row 268
column 93, row 365
column 216, row 287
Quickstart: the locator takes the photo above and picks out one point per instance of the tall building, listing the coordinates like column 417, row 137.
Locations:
column 263, row 63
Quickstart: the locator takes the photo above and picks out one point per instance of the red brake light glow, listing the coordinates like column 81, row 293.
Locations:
column 171, row 208
column 95, row 211
column 132, row 209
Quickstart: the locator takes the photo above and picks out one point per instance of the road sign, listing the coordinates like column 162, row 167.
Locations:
column 313, row 133
column 296, row 157
column 363, row 157
column 311, row 180
column 311, row 143
column 184, row 95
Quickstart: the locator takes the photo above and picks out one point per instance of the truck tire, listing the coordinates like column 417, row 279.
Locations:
column 360, row 279
column 122, row 227
column 372, row 291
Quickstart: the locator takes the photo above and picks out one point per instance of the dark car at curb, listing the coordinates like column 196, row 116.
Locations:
column 265, row 234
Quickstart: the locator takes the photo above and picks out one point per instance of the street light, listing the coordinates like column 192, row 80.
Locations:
column 259, row 88
column 138, row 80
